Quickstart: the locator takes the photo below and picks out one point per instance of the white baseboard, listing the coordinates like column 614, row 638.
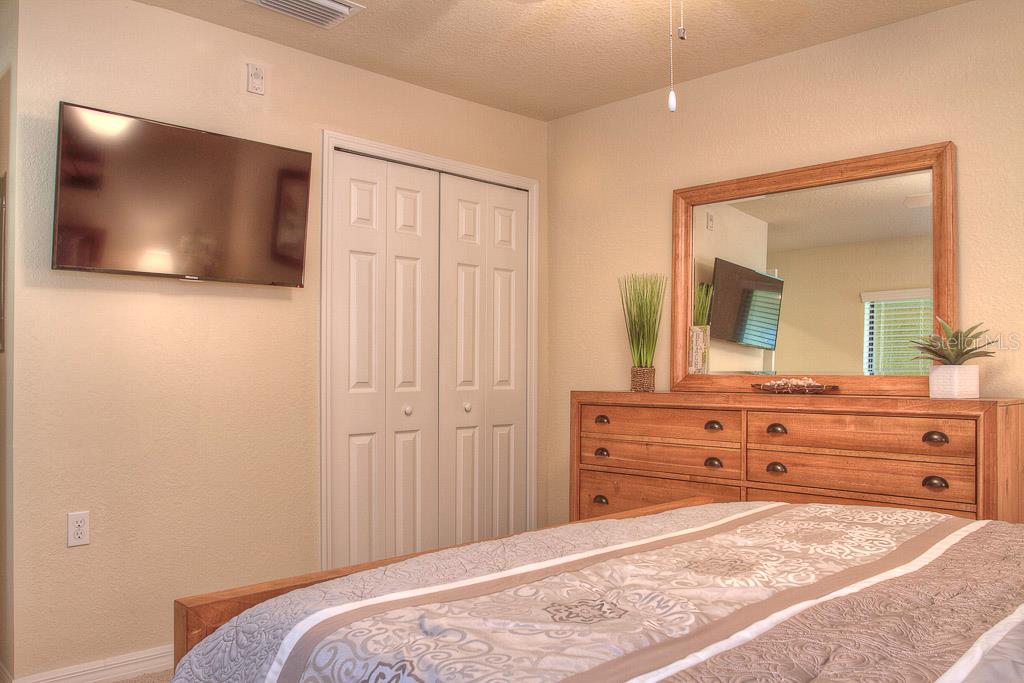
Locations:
column 107, row 670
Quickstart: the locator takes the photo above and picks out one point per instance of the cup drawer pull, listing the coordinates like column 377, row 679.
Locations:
column 776, row 467
column 602, row 420
column 934, row 482
column 601, row 499
column 713, row 462
column 713, row 426
column 777, row 428
column 602, row 453
column 935, row 437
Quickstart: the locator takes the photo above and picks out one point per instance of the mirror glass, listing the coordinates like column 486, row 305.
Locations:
column 826, row 280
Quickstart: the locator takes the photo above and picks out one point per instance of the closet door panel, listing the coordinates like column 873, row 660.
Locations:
column 365, row 498
column 464, row 445
column 468, row 503
column 483, row 360
column 411, row 358
column 358, row 260
column 414, row 525
column 506, row 353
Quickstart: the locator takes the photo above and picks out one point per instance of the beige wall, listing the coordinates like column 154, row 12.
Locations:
column 183, row 416
column 8, row 58
column 951, row 75
column 821, row 329
column 742, row 239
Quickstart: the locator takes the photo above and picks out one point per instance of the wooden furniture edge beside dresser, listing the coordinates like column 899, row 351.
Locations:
column 960, row 457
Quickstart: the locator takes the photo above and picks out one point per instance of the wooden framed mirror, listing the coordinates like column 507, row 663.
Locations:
column 859, row 254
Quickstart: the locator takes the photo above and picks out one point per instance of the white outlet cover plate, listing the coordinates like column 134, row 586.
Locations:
column 255, row 79
column 78, row 528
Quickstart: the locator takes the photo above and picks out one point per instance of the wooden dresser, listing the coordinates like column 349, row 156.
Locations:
column 958, row 457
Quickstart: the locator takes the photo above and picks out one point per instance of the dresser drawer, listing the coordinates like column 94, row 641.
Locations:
column 867, row 475
column 667, row 423
column 793, row 497
column 707, row 461
column 884, row 434
column 603, row 493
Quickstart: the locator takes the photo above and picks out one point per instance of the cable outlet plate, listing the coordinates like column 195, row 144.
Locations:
column 78, row 528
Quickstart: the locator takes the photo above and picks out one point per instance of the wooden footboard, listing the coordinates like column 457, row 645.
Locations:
column 198, row 616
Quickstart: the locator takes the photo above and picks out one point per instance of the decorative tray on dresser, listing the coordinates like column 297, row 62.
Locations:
column 959, row 457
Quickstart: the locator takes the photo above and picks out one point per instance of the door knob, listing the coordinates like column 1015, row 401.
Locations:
column 407, row 410
column 776, row 467
column 602, row 453
column 934, row 482
column 777, row 428
column 467, row 406
column 712, row 462
column 601, row 499
column 713, row 426
column 602, row 420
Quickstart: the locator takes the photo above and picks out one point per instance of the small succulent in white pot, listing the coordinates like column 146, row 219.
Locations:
column 951, row 349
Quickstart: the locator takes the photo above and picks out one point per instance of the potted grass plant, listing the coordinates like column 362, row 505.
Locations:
column 642, row 296
column 700, row 330
column 951, row 349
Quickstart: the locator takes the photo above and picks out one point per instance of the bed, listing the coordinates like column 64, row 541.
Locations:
column 688, row 591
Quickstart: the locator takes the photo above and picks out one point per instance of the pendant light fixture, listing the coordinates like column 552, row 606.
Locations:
column 672, row 33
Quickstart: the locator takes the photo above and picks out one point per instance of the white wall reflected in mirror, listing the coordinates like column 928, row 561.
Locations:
column 856, row 263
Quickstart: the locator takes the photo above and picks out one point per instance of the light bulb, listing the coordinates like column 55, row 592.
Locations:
column 672, row 100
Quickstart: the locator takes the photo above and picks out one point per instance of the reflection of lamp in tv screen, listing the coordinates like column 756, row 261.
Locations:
column 746, row 305
column 156, row 261
column 104, row 124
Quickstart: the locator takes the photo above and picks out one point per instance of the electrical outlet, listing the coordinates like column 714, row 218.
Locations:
column 255, row 80
column 711, row 222
column 78, row 528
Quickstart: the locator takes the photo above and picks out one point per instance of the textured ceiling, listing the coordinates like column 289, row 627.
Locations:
column 550, row 58
column 859, row 211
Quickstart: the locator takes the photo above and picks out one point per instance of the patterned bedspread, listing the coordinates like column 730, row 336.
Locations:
column 724, row 592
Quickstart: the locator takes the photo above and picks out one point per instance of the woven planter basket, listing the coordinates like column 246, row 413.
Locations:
column 641, row 379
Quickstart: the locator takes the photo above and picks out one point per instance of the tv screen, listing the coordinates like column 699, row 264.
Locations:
column 745, row 305
column 148, row 198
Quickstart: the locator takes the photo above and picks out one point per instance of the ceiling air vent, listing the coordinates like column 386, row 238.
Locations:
column 323, row 13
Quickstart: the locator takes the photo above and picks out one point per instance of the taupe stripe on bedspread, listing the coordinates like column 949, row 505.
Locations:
column 298, row 658
column 668, row 651
column 618, row 615
column 910, row 628
column 244, row 648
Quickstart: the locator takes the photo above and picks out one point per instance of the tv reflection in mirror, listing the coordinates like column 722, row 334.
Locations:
column 746, row 305
column 149, row 198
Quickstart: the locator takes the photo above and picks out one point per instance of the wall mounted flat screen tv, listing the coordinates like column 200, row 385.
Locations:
column 149, row 198
column 745, row 305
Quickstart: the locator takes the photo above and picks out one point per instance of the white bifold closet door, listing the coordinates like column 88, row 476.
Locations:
column 427, row 319
column 483, row 378
column 384, row 359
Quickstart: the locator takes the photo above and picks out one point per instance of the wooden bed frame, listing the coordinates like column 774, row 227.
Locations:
column 198, row 616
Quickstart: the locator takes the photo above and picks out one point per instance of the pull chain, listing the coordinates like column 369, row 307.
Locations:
column 671, row 61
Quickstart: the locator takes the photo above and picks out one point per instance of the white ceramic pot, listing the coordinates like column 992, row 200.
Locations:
column 953, row 381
